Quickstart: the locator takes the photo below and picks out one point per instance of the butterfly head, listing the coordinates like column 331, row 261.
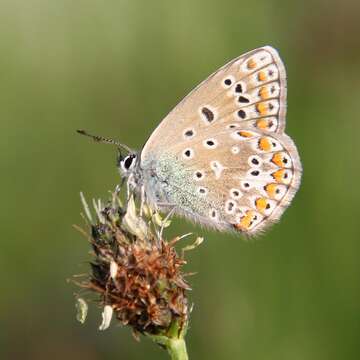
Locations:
column 127, row 163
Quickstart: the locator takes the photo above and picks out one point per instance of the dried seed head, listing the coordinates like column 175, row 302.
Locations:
column 137, row 274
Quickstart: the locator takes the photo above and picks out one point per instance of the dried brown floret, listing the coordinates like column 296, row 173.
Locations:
column 136, row 273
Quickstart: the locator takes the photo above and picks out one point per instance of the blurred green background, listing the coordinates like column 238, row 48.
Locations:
column 116, row 68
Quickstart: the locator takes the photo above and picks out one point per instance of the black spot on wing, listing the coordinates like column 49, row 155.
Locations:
column 209, row 115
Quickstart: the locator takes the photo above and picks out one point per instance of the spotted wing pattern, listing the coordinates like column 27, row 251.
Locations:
column 247, row 178
column 229, row 133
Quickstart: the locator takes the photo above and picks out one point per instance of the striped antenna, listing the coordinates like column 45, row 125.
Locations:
column 105, row 140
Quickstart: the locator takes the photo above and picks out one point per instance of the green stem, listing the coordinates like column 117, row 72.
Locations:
column 173, row 342
column 177, row 349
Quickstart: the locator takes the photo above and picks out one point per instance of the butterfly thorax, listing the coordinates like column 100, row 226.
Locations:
column 150, row 178
column 168, row 184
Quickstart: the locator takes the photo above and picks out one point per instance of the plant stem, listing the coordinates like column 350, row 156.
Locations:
column 175, row 346
column 177, row 349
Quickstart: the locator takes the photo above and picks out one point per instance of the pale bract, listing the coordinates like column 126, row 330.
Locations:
column 106, row 317
column 82, row 310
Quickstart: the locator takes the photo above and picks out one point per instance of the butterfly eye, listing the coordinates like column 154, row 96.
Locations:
column 128, row 162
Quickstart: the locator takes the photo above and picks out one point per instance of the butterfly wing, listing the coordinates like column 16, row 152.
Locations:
column 221, row 153
column 246, row 178
column 250, row 90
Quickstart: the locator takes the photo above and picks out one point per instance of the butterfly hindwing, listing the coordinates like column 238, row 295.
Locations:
column 247, row 178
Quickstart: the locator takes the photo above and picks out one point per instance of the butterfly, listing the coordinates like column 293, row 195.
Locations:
column 221, row 157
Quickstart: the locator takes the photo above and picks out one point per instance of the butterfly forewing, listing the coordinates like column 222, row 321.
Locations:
column 250, row 90
column 227, row 135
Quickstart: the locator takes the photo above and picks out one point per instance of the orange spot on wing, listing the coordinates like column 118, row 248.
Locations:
column 264, row 93
column 277, row 159
column 271, row 189
column 261, row 108
column 261, row 76
column 246, row 221
column 278, row 175
column 251, row 64
column 261, row 204
column 245, row 134
column 262, row 124
column 264, row 144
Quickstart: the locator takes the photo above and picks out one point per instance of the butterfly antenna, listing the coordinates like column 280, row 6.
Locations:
column 104, row 140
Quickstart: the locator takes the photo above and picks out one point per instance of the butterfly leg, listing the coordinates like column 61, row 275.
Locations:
column 165, row 205
column 142, row 199
column 119, row 186
column 167, row 217
column 128, row 186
